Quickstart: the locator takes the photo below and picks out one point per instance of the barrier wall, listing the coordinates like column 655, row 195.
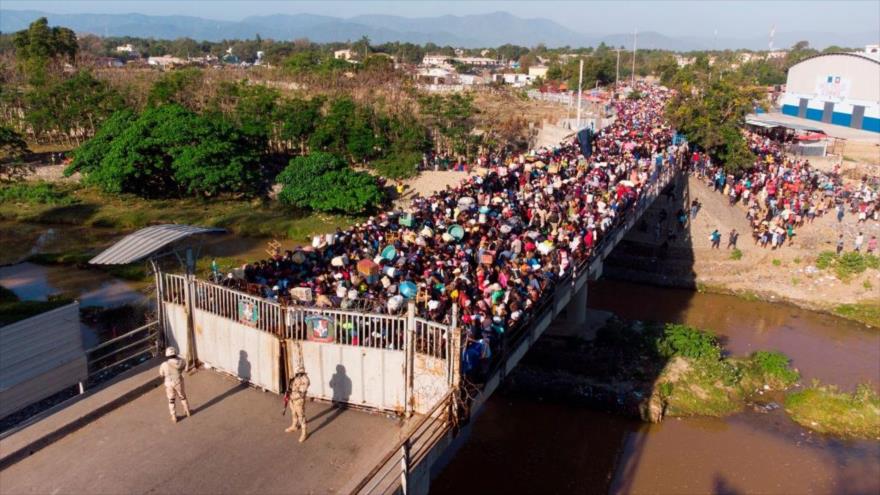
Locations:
column 175, row 328
column 396, row 363
column 360, row 376
column 250, row 354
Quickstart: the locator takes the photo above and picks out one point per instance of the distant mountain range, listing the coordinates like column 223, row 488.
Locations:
column 470, row 31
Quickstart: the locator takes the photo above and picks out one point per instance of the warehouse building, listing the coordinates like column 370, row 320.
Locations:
column 836, row 88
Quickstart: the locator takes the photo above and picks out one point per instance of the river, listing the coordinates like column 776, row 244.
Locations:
column 526, row 445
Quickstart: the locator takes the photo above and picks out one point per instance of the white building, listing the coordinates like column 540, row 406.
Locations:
column 436, row 59
column 126, row 48
column 165, row 61
column 538, row 71
column 777, row 54
column 683, row 61
column 345, row 54
column 836, row 88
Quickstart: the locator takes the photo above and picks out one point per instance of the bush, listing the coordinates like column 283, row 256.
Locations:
column 736, row 254
column 322, row 181
column 774, row 368
column 33, row 193
column 398, row 165
column 827, row 410
column 825, row 260
column 689, row 342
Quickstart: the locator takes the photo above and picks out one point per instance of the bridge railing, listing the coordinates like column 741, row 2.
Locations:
column 391, row 474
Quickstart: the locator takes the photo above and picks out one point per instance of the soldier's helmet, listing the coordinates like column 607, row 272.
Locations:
column 170, row 352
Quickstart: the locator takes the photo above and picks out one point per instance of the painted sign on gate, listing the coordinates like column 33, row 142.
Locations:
column 321, row 328
column 248, row 312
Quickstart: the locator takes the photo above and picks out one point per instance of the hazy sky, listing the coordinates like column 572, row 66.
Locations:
column 731, row 18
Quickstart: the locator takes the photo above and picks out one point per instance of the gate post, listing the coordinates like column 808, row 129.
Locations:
column 409, row 356
column 191, row 357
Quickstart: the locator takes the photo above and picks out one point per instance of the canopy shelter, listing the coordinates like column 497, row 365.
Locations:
column 151, row 242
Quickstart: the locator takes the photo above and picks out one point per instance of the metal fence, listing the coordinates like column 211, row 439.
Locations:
column 391, row 474
column 431, row 338
column 348, row 327
column 116, row 355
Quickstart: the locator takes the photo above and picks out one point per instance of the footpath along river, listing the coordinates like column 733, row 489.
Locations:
column 525, row 445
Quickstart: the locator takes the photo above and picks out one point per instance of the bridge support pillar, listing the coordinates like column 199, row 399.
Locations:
column 576, row 311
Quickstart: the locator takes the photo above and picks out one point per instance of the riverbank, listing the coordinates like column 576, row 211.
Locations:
column 806, row 273
column 653, row 371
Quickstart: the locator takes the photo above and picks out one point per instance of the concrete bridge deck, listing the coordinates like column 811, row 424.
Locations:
column 233, row 443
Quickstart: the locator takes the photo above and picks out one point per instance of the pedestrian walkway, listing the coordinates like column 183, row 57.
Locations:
column 233, row 443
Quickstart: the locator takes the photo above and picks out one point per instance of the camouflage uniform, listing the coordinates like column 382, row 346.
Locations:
column 297, row 388
column 172, row 370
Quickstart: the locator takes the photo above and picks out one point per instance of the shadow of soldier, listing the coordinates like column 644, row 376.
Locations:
column 341, row 385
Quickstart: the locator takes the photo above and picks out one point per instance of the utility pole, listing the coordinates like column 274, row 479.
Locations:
column 580, row 85
column 617, row 72
column 635, row 42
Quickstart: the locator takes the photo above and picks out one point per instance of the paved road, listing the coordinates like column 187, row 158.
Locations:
column 234, row 443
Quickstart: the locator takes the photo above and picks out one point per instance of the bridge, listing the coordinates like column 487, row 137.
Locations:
column 389, row 403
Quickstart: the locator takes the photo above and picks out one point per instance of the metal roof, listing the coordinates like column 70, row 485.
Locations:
column 788, row 125
column 144, row 242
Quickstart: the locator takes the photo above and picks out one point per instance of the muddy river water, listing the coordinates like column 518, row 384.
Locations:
column 525, row 445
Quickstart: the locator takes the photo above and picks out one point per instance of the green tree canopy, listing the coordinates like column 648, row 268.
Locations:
column 169, row 151
column 322, row 181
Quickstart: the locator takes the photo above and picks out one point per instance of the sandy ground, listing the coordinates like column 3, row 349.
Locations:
column 788, row 272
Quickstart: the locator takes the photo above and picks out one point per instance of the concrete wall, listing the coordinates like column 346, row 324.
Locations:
column 40, row 356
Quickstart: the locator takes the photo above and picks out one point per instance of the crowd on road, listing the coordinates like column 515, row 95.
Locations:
column 496, row 244
column 782, row 193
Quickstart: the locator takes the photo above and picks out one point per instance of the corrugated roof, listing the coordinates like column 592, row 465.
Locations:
column 144, row 242
column 788, row 125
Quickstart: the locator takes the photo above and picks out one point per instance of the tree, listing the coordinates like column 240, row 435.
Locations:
column 183, row 87
column 322, row 181
column 12, row 149
column 169, row 151
column 299, row 118
column 711, row 112
column 39, row 44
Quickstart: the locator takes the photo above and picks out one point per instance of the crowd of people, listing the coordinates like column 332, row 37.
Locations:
column 496, row 244
column 782, row 193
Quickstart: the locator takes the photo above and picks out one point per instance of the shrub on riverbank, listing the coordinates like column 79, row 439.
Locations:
column 826, row 410
column 847, row 265
column 700, row 380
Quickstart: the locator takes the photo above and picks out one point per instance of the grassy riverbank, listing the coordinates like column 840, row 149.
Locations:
column 825, row 409
column 68, row 204
column 699, row 380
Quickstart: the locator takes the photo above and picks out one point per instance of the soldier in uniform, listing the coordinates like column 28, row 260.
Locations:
column 172, row 370
column 296, row 396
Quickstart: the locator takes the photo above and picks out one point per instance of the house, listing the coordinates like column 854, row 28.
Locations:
column 538, row 71
column 436, row 75
column 513, row 79
column 345, row 54
column 165, row 61
column 126, row 48
column 436, row 59
column 471, row 79
column 777, row 54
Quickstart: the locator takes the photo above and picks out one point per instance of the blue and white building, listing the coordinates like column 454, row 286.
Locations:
column 836, row 88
